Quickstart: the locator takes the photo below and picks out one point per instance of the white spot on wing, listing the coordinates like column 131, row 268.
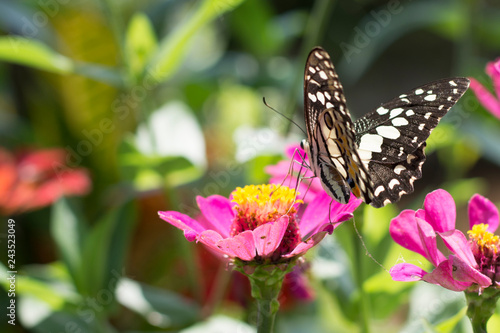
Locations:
column 399, row 121
column 371, row 142
column 453, row 83
column 399, row 168
column 381, row 110
column 379, row 190
column 312, row 70
column 329, row 105
column 389, row 132
column 396, row 112
column 419, row 91
column 421, row 126
column 393, row 183
column 321, row 97
column 428, row 115
column 312, row 97
column 323, row 75
column 410, row 113
column 430, row 98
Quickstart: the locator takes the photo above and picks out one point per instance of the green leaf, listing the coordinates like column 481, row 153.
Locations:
column 172, row 48
column 33, row 53
column 151, row 171
column 448, row 325
column 140, row 43
column 52, row 296
column 106, row 248
column 68, row 230
column 161, row 307
column 36, row 316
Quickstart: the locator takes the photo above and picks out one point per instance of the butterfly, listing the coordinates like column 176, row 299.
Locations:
column 379, row 156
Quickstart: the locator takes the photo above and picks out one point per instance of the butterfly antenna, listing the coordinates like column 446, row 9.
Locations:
column 281, row 114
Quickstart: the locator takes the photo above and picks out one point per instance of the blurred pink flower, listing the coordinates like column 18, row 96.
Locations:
column 473, row 264
column 260, row 223
column 485, row 97
column 35, row 179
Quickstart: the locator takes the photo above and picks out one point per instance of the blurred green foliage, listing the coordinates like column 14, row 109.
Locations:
column 98, row 78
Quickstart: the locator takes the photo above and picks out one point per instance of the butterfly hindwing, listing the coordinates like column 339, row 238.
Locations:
column 400, row 126
column 391, row 139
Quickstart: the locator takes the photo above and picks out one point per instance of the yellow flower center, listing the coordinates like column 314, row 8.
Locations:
column 485, row 240
column 265, row 202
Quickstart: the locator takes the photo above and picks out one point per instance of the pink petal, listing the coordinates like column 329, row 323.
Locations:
column 456, row 241
column 481, row 210
column 315, row 215
column 405, row 231
column 190, row 226
column 484, row 97
column 463, row 272
column 211, row 239
column 443, row 276
column 303, row 247
column 428, row 241
column 218, row 213
column 406, row 272
column 240, row 246
column 493, row 70
column 267, row 237
column 440, row 210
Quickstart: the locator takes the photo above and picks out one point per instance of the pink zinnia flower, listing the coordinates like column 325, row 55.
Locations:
column 34, row 179
column 473, row 264
column 485, row 97
column 287, row 173
column 260, row 224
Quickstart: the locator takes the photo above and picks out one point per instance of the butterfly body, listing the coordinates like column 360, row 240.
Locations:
column 379, row 156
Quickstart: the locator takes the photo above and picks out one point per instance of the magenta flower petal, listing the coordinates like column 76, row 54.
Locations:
column 484, row 97
column 493, row 70
column 440, row 210
column 315, row 215
column 406, row 272
column 456, row 241
column 211, row 239
column 191, row 227
column 428, row 239
column 217, row 211
column 303, row 247
column 463, row 272
column 443, row 276
column 267, row 237
column 415, row 235
column 482, row 210
column 240, row 246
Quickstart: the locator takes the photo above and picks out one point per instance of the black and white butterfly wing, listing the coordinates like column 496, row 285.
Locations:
column 391, row 139
column 331, row 139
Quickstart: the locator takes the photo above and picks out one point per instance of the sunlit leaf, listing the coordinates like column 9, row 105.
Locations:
column 140, row 43
column 449, row 325
column 162, row 308
column 33, row 53
column 173, row 47
column 69, row 232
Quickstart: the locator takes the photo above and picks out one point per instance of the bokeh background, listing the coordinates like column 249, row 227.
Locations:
column 140, row 106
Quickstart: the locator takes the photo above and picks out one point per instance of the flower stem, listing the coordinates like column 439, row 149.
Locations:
column 481, row 307
column 266, row 282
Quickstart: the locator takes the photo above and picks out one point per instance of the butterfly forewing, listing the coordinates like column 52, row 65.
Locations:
column 331, row 137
